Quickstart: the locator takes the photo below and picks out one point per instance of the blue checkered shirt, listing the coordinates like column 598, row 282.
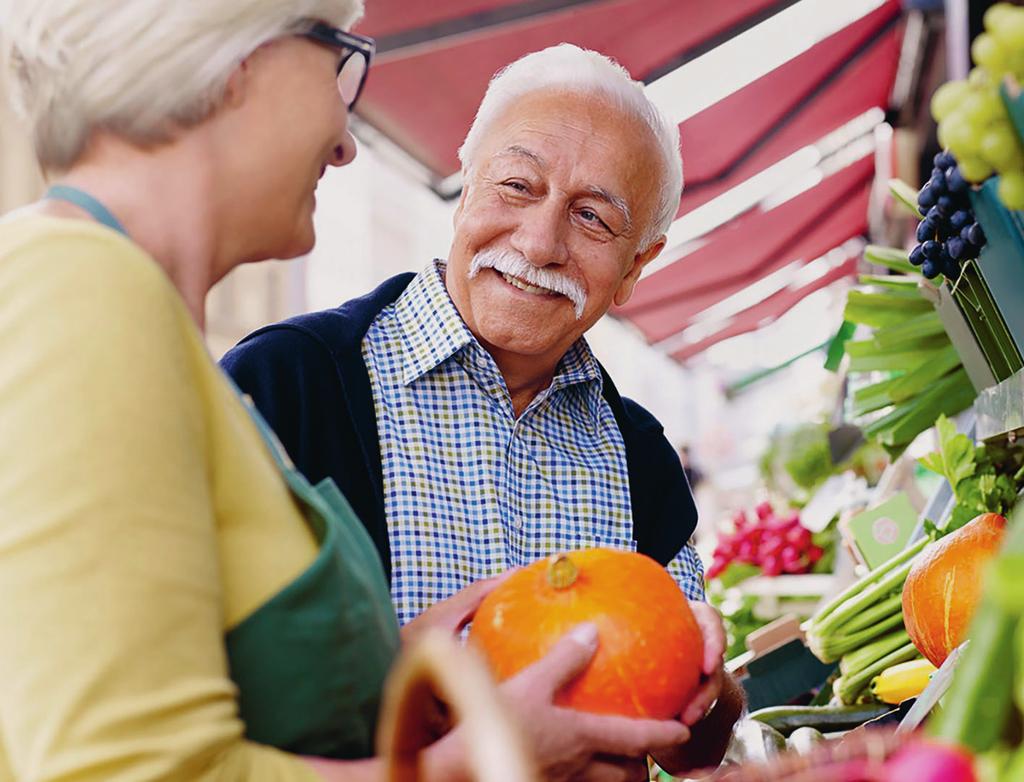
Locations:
column 469, row 489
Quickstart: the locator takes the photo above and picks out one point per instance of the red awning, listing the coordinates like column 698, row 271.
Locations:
column 749, row 247
column 424, row 96
column 768, row 311
column 791, row 107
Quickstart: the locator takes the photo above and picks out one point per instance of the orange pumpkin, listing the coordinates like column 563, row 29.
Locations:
column 944, row 586
column 650, row 648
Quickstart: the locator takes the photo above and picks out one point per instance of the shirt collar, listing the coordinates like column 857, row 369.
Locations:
column 433, row 331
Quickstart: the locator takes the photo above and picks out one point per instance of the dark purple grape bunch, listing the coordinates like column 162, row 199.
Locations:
column 949, row 235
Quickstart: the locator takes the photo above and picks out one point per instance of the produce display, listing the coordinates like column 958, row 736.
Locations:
column 921, row 600
column 631, row 598
column 862, row 627
column 774, row 544
column 892, row 630
column 871, row 756
column 973, row 121
column 925, row 377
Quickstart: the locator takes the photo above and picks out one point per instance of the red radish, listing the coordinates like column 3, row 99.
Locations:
column 926, row 760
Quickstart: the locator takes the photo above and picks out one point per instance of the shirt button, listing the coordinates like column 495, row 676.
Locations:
column 517, row 523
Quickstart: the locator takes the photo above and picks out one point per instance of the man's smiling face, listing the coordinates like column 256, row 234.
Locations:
column 556, row 201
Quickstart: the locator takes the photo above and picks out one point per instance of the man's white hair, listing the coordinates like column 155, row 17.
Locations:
column 135, row 67
column 568, row 68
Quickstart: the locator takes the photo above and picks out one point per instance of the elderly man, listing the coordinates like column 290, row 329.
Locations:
column 460, row 410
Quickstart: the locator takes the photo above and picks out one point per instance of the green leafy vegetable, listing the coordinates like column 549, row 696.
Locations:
column 984, row 479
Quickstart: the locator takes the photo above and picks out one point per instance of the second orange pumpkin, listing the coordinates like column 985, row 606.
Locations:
column 944, row 586
column 650, row 648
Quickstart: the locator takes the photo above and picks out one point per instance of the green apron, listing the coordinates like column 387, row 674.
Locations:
column 310, row 663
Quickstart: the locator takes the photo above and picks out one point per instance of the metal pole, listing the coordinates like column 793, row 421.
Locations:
column 958, row 60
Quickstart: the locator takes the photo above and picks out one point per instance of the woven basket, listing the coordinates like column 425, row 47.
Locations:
column 438, row 666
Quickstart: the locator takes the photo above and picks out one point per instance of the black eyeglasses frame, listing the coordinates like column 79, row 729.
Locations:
column 350, row 44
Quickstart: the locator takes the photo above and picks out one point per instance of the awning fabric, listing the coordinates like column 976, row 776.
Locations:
column 750, row 247
column 436, row 59
column 424, row 96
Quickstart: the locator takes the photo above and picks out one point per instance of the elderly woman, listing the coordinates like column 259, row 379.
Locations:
column 178, row 602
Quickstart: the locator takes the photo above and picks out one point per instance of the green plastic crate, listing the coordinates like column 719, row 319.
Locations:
column 990, row 293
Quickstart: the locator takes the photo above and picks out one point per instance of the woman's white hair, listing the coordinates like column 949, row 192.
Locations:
column 135, row 67
column 568, row 68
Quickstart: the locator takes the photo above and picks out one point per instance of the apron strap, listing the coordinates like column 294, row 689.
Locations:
column 89, row 203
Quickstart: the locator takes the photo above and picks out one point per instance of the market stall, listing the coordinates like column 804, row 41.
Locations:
column 909, row 663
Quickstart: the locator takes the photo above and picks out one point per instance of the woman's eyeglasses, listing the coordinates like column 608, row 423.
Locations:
column 356, row 54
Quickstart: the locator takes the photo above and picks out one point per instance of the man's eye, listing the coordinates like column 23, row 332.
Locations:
column 516, row 185
column 590, row 216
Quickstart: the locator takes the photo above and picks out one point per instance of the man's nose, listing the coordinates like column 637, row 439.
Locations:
column 541, row 233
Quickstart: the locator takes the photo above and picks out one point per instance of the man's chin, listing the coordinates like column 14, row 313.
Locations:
column 522, row 333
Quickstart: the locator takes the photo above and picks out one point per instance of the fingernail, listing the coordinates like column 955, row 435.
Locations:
column 584, row 634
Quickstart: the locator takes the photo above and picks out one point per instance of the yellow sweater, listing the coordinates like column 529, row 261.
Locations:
column 140, row 518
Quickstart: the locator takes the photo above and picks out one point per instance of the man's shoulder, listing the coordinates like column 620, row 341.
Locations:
column 630, row 415
column 324, row 334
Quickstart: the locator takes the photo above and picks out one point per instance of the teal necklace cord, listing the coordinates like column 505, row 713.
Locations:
column 89, row 203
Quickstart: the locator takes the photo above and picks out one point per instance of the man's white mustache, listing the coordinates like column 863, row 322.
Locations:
column 515, row 264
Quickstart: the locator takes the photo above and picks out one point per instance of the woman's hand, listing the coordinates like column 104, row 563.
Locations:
column 453, row 614
column 575, row 745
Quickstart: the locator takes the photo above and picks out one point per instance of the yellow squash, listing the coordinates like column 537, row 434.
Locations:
column 899, row 682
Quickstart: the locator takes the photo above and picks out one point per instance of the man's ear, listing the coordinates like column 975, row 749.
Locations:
column 640, row 260
column 462, row 199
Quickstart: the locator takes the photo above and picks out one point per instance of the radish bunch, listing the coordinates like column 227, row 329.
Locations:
column 776, row 544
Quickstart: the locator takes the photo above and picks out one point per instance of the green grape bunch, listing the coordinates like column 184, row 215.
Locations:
column 973, row 121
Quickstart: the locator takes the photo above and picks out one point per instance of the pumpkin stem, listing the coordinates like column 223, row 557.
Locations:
column 562, row 572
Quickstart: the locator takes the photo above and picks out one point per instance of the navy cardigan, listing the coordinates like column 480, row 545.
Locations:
column 307, row 377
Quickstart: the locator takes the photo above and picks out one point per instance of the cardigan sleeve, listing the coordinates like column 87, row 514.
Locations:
column 664, row 512
column 112, row 661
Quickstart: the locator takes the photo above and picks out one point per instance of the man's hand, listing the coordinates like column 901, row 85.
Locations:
column 713, row 710
column 713, row 665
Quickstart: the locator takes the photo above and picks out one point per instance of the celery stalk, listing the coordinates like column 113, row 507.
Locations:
column 854, row 684
column 911, row 330
column 877, row 612
column 829, row 648
column 859, row 659
column 890, row 257
column 873, row 577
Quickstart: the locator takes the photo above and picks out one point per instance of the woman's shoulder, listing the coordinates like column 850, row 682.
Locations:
column 82, row 269
column 62, row 244
column 76, row 295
